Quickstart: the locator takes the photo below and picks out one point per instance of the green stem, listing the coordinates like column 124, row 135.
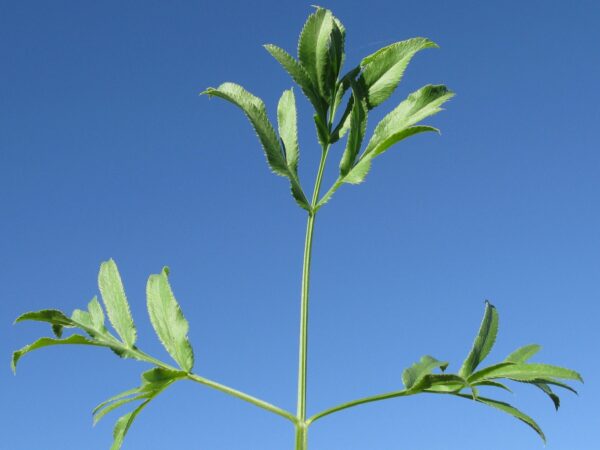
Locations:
column 241, row 395
column 301, row 431
column 139, row 354
column 361, row 401
column 329, row 193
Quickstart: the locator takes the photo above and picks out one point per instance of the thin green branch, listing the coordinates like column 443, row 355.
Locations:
column 328, row 194
column 360, row 401
column 243, row 396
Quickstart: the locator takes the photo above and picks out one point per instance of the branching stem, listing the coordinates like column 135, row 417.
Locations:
column 243, row 396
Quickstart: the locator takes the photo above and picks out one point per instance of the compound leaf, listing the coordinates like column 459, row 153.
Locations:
column 115, row 301
column 383, row 70
column 398, row 125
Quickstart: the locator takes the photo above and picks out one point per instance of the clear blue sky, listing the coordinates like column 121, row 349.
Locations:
column 106, row 150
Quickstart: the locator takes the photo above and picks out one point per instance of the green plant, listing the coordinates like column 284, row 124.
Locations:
column 317, row 73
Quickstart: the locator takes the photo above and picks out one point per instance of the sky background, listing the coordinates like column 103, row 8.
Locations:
column 106, row 150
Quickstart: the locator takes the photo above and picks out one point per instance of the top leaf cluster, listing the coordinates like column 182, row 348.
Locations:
column 317, row 72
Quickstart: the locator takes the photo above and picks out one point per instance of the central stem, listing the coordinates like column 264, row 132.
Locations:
column 301, row 426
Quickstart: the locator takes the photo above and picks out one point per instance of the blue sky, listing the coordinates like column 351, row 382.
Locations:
column 106, row 150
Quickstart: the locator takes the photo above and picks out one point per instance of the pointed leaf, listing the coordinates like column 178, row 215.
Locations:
column 359, row 172
column 123, row 424
column 97, row 417
column 322, row 130
column 509, row 409
column 483, row 342
column 398, row 125
column 554, row 382
column 358, row 127
column 255, row 110
column 96, row 314
column 299, row 75
column 337, row 55
column 483, row 373
column 168, row 320
column 343, row 85
column 418, row 370
column 52, row 316
column 115, row 301
column 383, row 70
column 550, row 393
column 313, row 48
column 114, row 398
column 530, row 372
column 288, row 128
column 74, row 339
column 492, row 384
column 523, row 354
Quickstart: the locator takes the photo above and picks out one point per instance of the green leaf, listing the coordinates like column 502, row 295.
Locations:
column 440, row 383
column 413, row 375
column 509, row 409
column 52, row 316
column 492, row 384
column 255, row 110
column 168, row 320
column 114, row 398
column 154, row 382
column 123, row 424
column 347, row 81
column 74, row 339
column 523, row 354
column 483, row 373
column 554, row 382
column 530, row 372
column 299, row 75
column 115, row 301
column 288, row 128
column 383, row 70
column 359, row 172
column 96, row 314
column 550, row 393
column 398, row 125
column 483, row 342
column 97, row 417
column 84, row 321
column 57, row 330
column 358, row 127
column 313, row 48
column 322, row 130
column 336, row 56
